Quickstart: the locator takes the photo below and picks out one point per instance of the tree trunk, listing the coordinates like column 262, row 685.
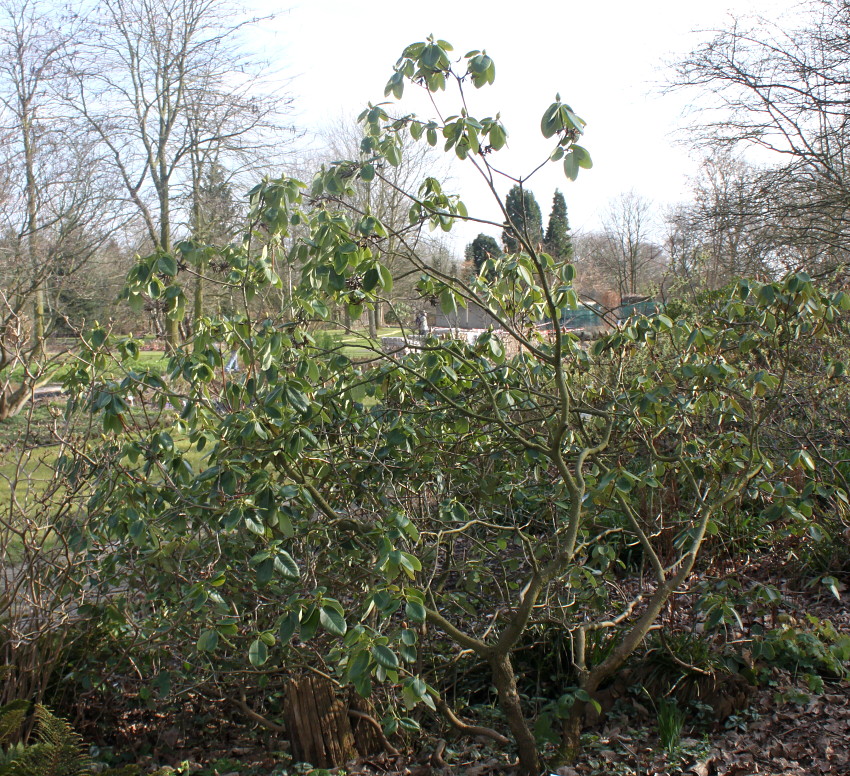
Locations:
column 570, row 747
column 373, row 326
column 318, row 723
column 12, row 401
column 198, row 309
column 172, row 324
column 32, row 232
column 505, row 681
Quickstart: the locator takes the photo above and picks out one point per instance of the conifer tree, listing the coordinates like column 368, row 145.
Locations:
column 524, row 219
column 558, row 241
column 481, row 249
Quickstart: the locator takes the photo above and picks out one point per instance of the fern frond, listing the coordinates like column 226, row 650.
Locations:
column 12, row 718
column 58, row 750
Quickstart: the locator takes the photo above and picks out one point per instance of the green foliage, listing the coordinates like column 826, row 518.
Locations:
column 56, row 751
column 476, row 483
column 817, row 649
column 524, row 223
column 671, row 720
column 554, row 712
column 215, row 208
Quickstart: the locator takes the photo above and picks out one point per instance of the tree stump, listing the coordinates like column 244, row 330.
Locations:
column 319, row 728
column 367, row 739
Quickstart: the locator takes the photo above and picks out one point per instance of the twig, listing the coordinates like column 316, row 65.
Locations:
column 678, row 660
column 471, row 730
column 388, row 747
column 242, row 705
column 437, row 760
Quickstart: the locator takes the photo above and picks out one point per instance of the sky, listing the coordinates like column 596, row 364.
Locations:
column 606, row 59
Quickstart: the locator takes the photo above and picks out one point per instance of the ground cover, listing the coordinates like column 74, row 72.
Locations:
column 794, row 722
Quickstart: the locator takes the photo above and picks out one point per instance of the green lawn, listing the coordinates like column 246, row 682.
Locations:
column 24, row 479
column 356, row 345
column 156, row 360
column 27, row 451
column 26, row 473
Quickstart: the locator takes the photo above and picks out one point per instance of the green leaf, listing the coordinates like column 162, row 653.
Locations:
column 384, row 656
column 498, row 137
column 551, row 121
column 254, row 525
column 208, row 641
column 332, row 621
column 359, row 665
column 571, row 166
column 258, row 653
column 414, row 50
column 582, row 157
column 448, row 303
column 395, row 86
column 804, row 459
column 415, row 611
column 370, row 279
column 393, row 155
column 288, row 626
column 386, row 278
column 310, row 624
column 286, row 565
column 167, row 265
column 831, row 584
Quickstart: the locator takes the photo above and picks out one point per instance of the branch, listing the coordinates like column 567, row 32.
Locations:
column 385, row 742
column 464, row 727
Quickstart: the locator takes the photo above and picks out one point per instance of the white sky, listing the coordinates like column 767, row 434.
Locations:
column 603, row 57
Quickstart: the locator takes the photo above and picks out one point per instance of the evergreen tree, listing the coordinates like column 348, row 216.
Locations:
column 481, row 249
column 524, row 218
column 216, row 218
column 216, row 213
column 558, row 241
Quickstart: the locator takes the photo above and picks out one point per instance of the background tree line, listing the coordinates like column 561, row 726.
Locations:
column 133, row 125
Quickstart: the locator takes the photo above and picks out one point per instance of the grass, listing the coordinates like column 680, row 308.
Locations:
column 354, row 344
column 25, row 476
column 156, row 360
column 27, row 451
column 671, row 720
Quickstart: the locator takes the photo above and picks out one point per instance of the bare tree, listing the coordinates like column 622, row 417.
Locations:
column 727, row 231
column 385, row 198
column 31, row 52
column 165, row 86
column 785, row 89
column 55, row 207
column 624, row 254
